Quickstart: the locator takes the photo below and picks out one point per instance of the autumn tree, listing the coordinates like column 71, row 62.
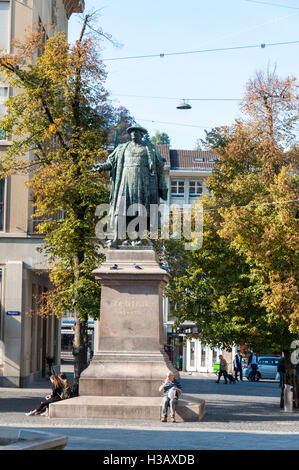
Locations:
column 221, row 292
column 55, row 118
column 117, row 120
column 241, row 286
column 260, row 160
column 256, row 185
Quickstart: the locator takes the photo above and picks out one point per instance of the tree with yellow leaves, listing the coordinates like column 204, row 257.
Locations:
column 242, row 286
column 56, row 118
column 256, row 179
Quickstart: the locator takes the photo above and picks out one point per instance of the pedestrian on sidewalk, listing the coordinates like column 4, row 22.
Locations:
column 281, row 369
column 171, row 389
column 222, row 370
column 238, row 365
column 56, row 395
column 252, row 362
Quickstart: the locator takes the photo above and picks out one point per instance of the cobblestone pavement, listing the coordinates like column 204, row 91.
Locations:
column 250, row 410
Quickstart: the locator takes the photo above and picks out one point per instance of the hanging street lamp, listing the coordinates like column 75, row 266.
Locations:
column 184, row 105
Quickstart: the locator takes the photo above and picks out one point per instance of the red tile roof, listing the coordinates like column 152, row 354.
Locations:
column 165, row 152
column 186, row 159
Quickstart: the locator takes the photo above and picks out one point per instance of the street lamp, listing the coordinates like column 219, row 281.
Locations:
column 184, row 105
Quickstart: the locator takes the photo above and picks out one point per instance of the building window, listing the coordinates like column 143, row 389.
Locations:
column 211, row 159
column 4, row 26
column 177, row 188
column 203, row 356
column 3, row 98
column 198, row 159
column 1, row 205
column 195, row 188
column 34, row 222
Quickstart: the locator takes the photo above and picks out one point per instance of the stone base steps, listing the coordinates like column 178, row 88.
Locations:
column 145, row 408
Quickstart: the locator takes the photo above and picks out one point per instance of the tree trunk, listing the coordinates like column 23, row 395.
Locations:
column 290, row 378
column 80, row 348
column 80, row 342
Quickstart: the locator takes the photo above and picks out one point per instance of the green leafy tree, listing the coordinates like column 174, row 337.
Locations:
column 214, row 139
column 55, row 118
column 160, row 138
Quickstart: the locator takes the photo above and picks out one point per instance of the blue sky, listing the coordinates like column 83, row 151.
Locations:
column 164, row 26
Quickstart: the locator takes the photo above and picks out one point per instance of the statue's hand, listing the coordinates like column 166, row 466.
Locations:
column 163, row 193
column 97, row 168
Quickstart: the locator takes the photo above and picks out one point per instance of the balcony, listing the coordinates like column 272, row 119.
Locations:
column 34, row 222
column 73, row 6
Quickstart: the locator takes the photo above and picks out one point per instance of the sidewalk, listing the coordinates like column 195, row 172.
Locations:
column 244, row 415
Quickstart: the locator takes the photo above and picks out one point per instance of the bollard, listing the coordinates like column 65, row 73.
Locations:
column 288, row 398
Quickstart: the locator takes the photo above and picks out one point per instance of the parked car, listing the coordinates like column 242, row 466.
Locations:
column 267, row 368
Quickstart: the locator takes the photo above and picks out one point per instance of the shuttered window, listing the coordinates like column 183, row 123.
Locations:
column 4, row 26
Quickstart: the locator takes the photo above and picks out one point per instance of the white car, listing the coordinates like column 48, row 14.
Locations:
column 267, row 368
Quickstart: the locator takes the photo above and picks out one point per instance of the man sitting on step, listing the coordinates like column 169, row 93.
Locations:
column 171, row 389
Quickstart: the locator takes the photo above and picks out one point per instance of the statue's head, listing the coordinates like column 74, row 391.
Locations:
column 136, row 133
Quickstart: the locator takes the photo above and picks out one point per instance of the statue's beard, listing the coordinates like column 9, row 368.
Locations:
column 136, row 140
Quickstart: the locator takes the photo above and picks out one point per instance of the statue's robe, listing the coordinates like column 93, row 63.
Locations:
column 125, row 189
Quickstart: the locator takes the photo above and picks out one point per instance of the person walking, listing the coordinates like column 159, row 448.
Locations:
column 281, row 369
column 171, row 389
column 222, row 370
column 238, row 365
column 56, row 395
column 252, row 362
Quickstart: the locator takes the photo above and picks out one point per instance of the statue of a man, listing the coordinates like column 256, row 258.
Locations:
column 136, row 171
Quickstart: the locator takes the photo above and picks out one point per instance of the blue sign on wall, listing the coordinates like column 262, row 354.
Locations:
column 13, row 312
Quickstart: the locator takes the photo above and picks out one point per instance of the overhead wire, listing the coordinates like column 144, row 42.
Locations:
column 174, row 123
column 161, row 55
column 172, row 98
column 273, row 4
column 221, row 49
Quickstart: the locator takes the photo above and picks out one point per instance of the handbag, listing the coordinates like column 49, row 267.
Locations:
column 171, row 393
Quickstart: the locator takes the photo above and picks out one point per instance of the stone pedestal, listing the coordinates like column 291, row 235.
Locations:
column 129, row 363
column 129, row 357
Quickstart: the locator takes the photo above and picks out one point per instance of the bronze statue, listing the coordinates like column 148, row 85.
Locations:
column 136, row 171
